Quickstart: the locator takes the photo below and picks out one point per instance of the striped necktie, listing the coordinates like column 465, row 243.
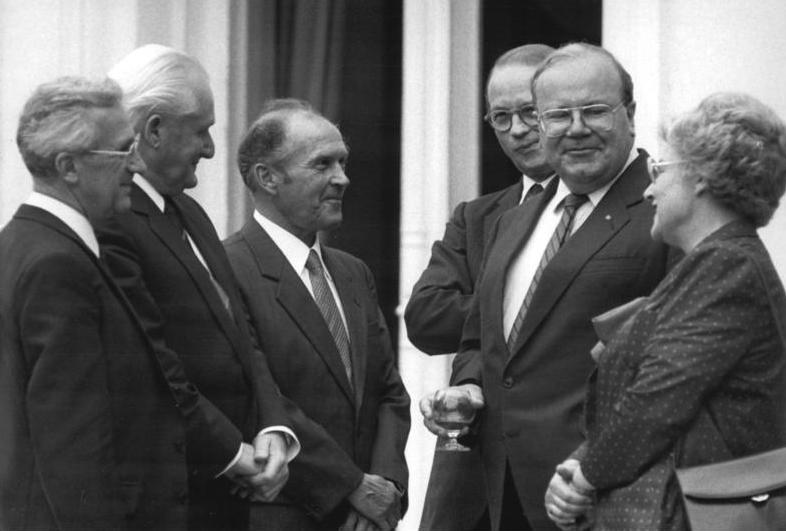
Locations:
column 329, row 309
column 571, row 203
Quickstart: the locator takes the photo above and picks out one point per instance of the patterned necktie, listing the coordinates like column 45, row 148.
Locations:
column 173, row 216
column 329, row 309
column 571, row 203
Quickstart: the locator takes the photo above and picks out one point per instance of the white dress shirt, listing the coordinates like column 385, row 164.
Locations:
column 296, row 253
column 293, row 444
column 523, row 267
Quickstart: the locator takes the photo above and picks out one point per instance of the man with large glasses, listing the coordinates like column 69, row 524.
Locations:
column 440, row 299
column 526, row 342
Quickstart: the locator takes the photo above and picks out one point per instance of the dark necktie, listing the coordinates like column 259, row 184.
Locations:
column 534, row 190
column 329, row 309
column 173, row 216
column 571, row 203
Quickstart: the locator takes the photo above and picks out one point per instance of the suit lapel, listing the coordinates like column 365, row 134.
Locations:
column 356, row 323
column 293, row 296
column 504, row 203
column 169, row 236
column 606, row 220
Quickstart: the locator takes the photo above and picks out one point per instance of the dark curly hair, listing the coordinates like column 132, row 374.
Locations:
column 737, row 146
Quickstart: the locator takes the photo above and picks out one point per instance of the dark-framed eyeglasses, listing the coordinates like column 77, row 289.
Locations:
column 656, row 168
column 502, row 119
column 598, row 117
column 132, row 149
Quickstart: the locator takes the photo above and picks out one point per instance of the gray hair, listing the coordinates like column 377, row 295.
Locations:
column 265, row 138
column 157, row 78
column 581, row 50
column 737, row 146
column 58, row 118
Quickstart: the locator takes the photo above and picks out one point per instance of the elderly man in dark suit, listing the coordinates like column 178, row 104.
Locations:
column 440, row 299
column 88, row 427
column 315, row 312
column 167, row 257
column 525, row 346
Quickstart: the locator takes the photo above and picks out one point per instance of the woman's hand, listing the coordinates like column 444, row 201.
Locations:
column 566, row 500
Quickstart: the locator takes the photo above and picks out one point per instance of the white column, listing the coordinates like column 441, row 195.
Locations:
column 679, row 51
column 439, row 167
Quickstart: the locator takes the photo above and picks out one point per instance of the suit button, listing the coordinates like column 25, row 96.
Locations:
column 507, row 382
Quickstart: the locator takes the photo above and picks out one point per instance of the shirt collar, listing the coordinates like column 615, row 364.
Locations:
column 151, row 192
column 295, row 251
column 596, row 196
column 74, row 220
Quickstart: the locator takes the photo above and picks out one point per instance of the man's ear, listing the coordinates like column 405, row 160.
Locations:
column 151, row 131
column 66, row 167
column 266, row 178
column 630, row 109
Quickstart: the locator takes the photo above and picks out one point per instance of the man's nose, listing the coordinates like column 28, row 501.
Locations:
column 577, row 125
column 208, row 147
column 517, row 126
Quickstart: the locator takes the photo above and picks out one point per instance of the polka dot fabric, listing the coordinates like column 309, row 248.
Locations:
column 692, row 378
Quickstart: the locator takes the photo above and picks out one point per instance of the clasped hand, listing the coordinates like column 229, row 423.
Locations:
column 428, row 406
column 569, row 497
column 376, row 505
column 262, row 470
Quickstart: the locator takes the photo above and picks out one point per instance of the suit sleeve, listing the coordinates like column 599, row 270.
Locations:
column 441, row 297
column 701, row 333
column 387, row 457
column 67, row 396
column 212, row 439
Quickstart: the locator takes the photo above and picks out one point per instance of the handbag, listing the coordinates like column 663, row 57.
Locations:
column 745, row 494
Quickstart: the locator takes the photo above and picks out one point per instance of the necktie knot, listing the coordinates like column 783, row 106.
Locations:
column 574, row 201
column 534, row 190
column 313, row 264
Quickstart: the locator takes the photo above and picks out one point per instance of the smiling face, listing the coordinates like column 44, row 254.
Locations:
column 585, row 158
column 103, row 181
column 310, row 179
column 509, row 89
column 183, row 141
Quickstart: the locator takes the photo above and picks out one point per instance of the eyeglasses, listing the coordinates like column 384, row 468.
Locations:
column 110, row 153
column 599, row 117
column 502, row 119
column 656, row 169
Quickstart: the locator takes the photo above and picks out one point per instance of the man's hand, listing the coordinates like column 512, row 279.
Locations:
column 262, row 471
column 427, row 405
column 357, row 522
column 377, row 499
column 565, row 501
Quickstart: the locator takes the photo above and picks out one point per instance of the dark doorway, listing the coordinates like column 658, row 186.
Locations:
column 369, row 118
column 511, row 23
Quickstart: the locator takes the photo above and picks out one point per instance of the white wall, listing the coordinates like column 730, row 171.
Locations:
column 44, row 39
column 679, row 51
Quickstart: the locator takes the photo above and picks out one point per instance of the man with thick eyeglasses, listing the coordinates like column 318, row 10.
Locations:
column 526, row 343
column 440, row 299
column 87, row 420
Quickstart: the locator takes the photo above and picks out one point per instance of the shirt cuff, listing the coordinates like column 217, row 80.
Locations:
column 293, row 444
column 232, row 462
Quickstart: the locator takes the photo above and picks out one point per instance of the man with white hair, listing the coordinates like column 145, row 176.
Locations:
column 86, row 419
column 167, row 257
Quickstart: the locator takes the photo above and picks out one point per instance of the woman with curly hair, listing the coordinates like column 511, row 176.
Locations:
column 696, row 374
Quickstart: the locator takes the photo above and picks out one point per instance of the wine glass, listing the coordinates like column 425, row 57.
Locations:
column 453, row 410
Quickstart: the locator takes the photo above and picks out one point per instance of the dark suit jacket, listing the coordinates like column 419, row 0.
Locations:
column 695, row 377
column 434, row 316
column 534, row 394
column 440, row 299
column 90, row 436
column 356, row 431
column 184, row 315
